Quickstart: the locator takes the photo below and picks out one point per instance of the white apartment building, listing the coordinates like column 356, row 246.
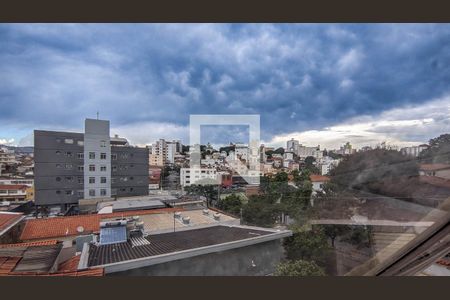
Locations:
column 163, row 152
column 7, row 156
column 197, row 175
column 414, row 151
column 304, row 152
column 241, row 151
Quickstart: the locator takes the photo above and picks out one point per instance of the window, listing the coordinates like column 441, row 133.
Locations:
column 102, row 144
column 68, row 141
column 102, row 192
column 80, row 143
column 80, row 193
column 59, row 166
column 80, row 155
column 114, row 168
column 69, row 192
column 58, row 140
column 91, row 180
column 69, row 166
column 92, row 192
column 131, row 189
column 102, row 155
column 91, row 155
column 114, row 156
column 80, row 168
column 80, row 180
column 92, row 168
column 58, row 192
column 131, row 178
column 58, row 179
column 113, row 180
column 58, row 152
column 103, row 180
column 69, row 178
column 103, row 168
column 69, row 154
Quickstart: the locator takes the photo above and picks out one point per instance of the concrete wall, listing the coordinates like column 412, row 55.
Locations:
column 254, row 260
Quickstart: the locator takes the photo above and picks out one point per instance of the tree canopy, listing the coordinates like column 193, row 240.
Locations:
column 439, row 150
column 299, row 268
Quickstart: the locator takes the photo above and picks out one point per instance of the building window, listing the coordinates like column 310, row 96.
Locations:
column 58, row 152
column 69, row 192
column 58, row 192
column 80, row 143
column 69, row 166
column 103, row 180
column 131, row 178
column 131, row 189
column 80, row 193
column 91, row 192
column 58, row 140
column 102, row 144
column 68, row 141
column 114, row 156
column 122, row 190
column 114, row 168
column 59, row 166
column 92, row 168
column 69, row 154
column 103, row 168
column 113, row 180
column 58, row 179
column 81, row 168
column 91, row 155
column 91, row 179
column 80, row 155
column 80, row 180
column 102, row 155
column 102, row 192
column 69, row 178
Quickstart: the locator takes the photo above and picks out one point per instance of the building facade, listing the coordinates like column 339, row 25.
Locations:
column 71, row 166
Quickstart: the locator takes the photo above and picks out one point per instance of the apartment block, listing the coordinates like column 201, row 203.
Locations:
column 71, row 166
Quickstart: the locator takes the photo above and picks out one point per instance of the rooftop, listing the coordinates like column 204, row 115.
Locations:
column 174, row 242
column 318, row 178
column 9, row 219
column 13, row 187
column 434, row 167
column 67, row 226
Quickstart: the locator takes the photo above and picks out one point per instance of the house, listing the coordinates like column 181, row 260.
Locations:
column 318, row 181
column 198, row 175
column 437, row 170
column 14, row 192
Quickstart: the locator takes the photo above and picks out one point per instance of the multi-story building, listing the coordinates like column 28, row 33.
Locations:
column 197, row 175
column 7, row 156
column 163, row 152
column 72, row 166
column 414, row 151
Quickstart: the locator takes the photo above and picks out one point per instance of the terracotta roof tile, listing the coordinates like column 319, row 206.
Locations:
column 13, row 187
column 70, row 265
column 30, row 244
column 318, row 178
column 67, row 226
column 7, row 219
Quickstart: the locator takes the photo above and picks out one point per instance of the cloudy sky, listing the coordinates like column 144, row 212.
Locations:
column 323, row 84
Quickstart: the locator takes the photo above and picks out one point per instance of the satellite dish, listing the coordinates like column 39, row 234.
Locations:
column 80, row 229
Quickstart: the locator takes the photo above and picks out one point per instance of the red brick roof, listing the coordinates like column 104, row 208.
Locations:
column 318, row 178
column 434, row 167
column 30, row 244
column 67, row 226
column 13, row 187
column 7, row 219
column 436, row 181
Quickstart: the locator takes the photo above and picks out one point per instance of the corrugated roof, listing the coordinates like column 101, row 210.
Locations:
column 169, row 242
column 67, row 226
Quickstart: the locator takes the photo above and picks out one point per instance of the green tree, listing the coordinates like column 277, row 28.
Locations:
column 299, row 268
column 333, row 231
column 209, row 191
column 438, row 151
column 260, row 211
column 308, row 245
column 231, row 204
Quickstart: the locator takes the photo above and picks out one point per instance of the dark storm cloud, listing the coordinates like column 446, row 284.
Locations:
column 297, row 77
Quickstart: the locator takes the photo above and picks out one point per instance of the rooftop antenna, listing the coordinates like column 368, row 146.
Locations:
column 97, row 115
